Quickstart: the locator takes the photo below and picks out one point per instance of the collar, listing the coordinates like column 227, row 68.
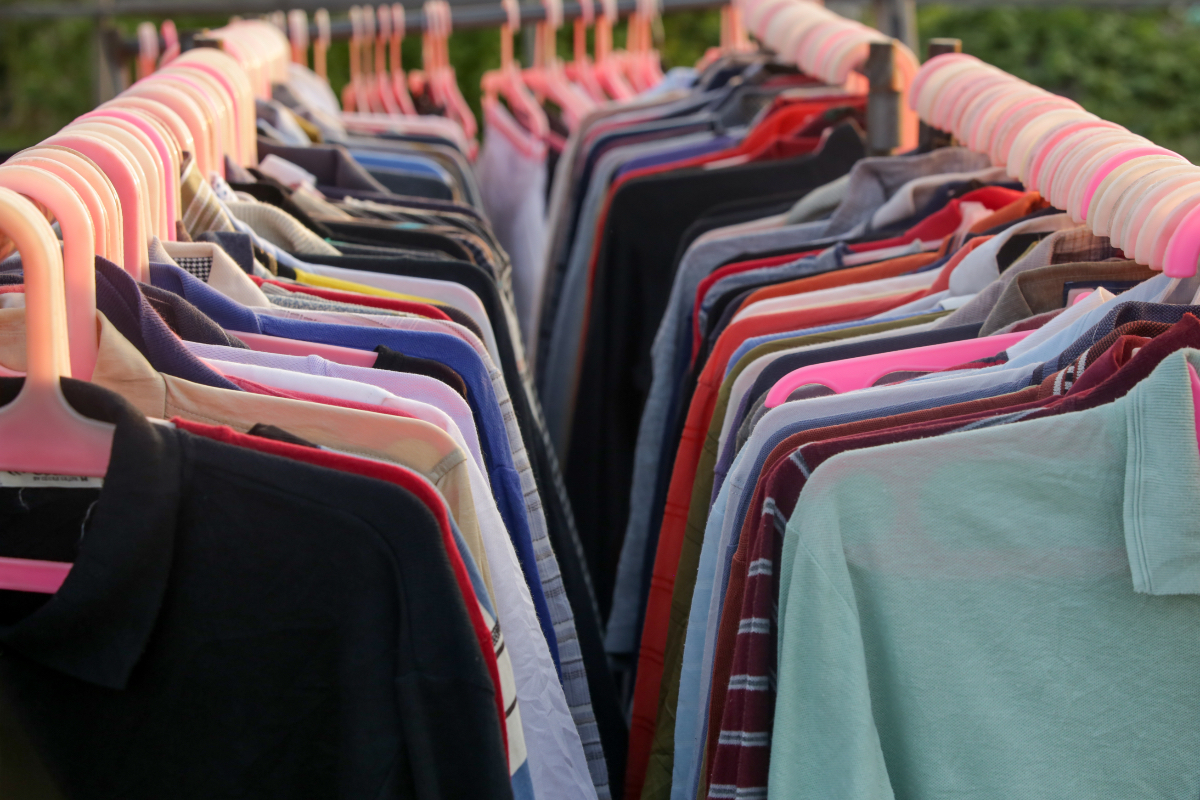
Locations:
column 220, row 271
column 1162, row 471
column 96, row 627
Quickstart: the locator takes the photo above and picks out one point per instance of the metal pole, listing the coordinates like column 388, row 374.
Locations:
column 932, row 138
column 898, row 19
column 106, row 78
column 883, row 100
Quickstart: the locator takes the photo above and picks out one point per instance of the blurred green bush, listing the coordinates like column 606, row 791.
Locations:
column 1140, row 69
column 1137, row 68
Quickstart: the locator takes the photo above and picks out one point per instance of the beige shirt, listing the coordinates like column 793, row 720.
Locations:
column 415, row 444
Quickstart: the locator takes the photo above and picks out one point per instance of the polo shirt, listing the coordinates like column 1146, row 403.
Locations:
column 1107, row 556
column 506, row 484
column 487, row 630
column 741, row 762
column 152, row 616
column 512, row 482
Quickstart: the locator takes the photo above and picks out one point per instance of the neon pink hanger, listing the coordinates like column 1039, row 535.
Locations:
column 298, row 35
column 188, row 110
column 1026, row 143
column 396, row 61
column 861, row 372
column 217, row 103
column 147, row 58
column 1183, row 247
column 1137, row 214
column 937, row 85
column 1112, row 163
column 1042, row 150
column 383, row 77
column 164, row 115
column 125, row 179
column 294, row 347
column 170, row 179
column 149, row 181
column 79, row 257
column 39, row 430
column 506, row 82
column 87, row 193
column 173, row 166
column 370, row 80
column 930, row 68
column 229, row 76
column 608, row 71
column 1101, row 215
column 1164, row 218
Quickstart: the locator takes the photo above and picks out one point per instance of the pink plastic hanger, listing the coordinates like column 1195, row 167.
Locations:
column 1073, row 181
column 1097, row 177
column 157, row 139
column 1116, row 185
column 444, row 84
column 170, row 37
column 321, row 45
column 370, row 78
column 78, row 254
column 859, row 373
column 353, row 96
column 1132, row 209
column 298, row 35
column 232, row 78
column 399, row 83
column 1068, row 148
column 608, row 70
column 581, row 70
column 546, row 78
column 1164, row 218
column 382, row 77
column 125, row 179
column 147, row 59
column 1183, row 247
column 155, row 160
column 165, row 116
column 188, row 111
column 105, row 235
column 294, row 347
column 39, row 431
column 172, row 160
column 1026, row 143
column 1006, row 131
column 187, row 84
column 507, row 82
column 149, row 179
column 219, row 105
column 1041, row 151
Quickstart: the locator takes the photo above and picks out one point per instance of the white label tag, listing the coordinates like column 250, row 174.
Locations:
column 19, row 480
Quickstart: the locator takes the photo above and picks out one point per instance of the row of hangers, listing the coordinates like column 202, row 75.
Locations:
column 111, row 181
column 832, row 48
column 1145, row 198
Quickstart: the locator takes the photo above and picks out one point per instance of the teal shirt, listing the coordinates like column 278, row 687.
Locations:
column 1009, row 612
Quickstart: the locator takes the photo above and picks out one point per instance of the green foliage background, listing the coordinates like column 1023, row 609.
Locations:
column 1138, row 68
